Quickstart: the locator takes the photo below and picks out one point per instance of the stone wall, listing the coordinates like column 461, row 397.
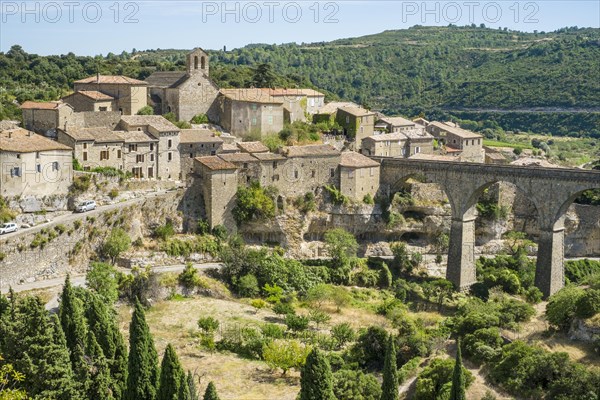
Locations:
column 66, row 245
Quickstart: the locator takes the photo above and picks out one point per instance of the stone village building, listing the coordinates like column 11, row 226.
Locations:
column 457, row 141
column 33, row 165
column 402, row 143
column 126, row 95
column 294, row 171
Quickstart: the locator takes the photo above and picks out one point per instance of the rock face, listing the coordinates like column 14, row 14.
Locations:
column 584, row 331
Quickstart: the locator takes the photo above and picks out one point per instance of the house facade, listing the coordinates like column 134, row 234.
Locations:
column 45, row 117
column 88, row 100
column 195, row 143
column 129, row 94
column 359, row 176
column 394, row 124
column 357, row 123
column 457, row 141
column 32, row 165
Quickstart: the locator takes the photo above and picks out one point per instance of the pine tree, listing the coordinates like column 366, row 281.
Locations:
column 171, row 376
column 142, row 367
column 99, row 382
column 316, row 380
column 73, row 324
column 457, row 392
column 192, row 386
column 389, row 389
column 36, row 347
column 211, row 392
column 102, row 322
column 184, row 389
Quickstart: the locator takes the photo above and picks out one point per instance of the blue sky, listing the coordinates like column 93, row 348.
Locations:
column 98, row 27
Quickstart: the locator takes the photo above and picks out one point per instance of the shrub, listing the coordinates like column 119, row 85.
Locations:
column 588, row 304
column 285, row 354
column 113, row 194
column 273, row 331
column 436, row 379
column 208, row 324
column 117, row 242
column 103, row 279
column 199, row 119
column 202, row 227
column 336, row 196
column 342, row 334
column 253, row 202
column 146, row 110
column 165, row 231
column 281, row 308
column 247, row 286
column 369, row 349
column 296, row 323
column 189, row 277
column 318, row 317
column 533, row 295
column 80, row 184
column 368, row 199
column 562, row 306
column 351, row 385
column 483, row 344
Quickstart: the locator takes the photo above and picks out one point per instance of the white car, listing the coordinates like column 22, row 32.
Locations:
column 86, row 206
column 8, row 228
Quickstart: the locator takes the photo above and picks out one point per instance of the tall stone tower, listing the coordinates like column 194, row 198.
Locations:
column 197, row 62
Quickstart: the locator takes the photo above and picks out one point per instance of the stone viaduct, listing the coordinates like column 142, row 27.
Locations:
column 551, row 190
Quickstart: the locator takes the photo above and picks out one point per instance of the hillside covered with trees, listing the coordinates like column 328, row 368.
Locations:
column 471, row 73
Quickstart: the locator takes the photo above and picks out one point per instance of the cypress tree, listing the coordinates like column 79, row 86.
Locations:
column 101, row 320
column 142, row 367
column 457, row 392
column 36, row 346
column 389, row 389
column 193, row 391
column 211, row 392
column 385, row 277
column 171, row 376
column 99, row 383
column 73, row 324
column 184, row 389
column 316, row 380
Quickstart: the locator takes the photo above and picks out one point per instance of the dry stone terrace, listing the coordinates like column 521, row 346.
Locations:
column 550, row 190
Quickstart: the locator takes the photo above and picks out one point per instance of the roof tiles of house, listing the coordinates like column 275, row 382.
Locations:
column 312, row 150
column 112, row 79
column 250, row 95
column 157, row 122
column 135, row 136
column 419, row 133
column 332, row 107
column 252, row 147
column 357, row 111
column 8, row 124
column 238, row 157
column 99, row 134
column 294, row 92
column 37, row 105
column 166, row 79
column 198, row 136
column 23, row 141
column 215, row 163
column 94, row 95
column 269, row 156
column 463, row 133
column 352, row 159
column 387, row 136
column 398, row 121
column 230, row 148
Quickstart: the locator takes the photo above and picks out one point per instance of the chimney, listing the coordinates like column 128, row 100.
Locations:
column 98, row 77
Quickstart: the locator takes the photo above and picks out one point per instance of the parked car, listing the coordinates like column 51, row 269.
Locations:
column 88, row 205
column 8, row 228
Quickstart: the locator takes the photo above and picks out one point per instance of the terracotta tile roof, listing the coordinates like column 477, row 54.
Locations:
column 418, row 133
column 157, row 122
column 100, row 134
column 310, row 150
column 215, row 163
column 230, row 148
column 23, row 141
column 252, row 147
column 294, row 92
column 387, row 136
column 166, row 79
column 352, row 159
column 356, row 111
column 94, row 95
column 8, row 124
column 397, row 121
column 332, row 107
column 112, row 79
column 250, row 95
column 135, row 136
column 238, row 157
column 198, row 136
column 421, row 121
column 463, row 133
column 37, row 105
column 269, row 156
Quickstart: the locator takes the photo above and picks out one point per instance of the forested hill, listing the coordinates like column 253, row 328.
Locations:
column 430, row 69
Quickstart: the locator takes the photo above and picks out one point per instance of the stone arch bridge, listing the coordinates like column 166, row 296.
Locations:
column 551, row 190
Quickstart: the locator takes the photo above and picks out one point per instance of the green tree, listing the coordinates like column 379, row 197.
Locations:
column 385, row 277
column 103, row 279
column 191, row 384
column 74, row 327
column 355, row 385
column 316, row 380
column 389, row 390
column 9, row 378
column 562, row 306
column 99, row 382
column 101, row 320
column 143, row 374
column 341, row 246
column 457, row 392
column 263, row 76
column 211, row 392
column 172, row 376
column 117, row 242
column 285, row 354
column 253, row 202
column 146, row 110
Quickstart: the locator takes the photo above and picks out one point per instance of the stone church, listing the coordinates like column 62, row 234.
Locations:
column 184, row 93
